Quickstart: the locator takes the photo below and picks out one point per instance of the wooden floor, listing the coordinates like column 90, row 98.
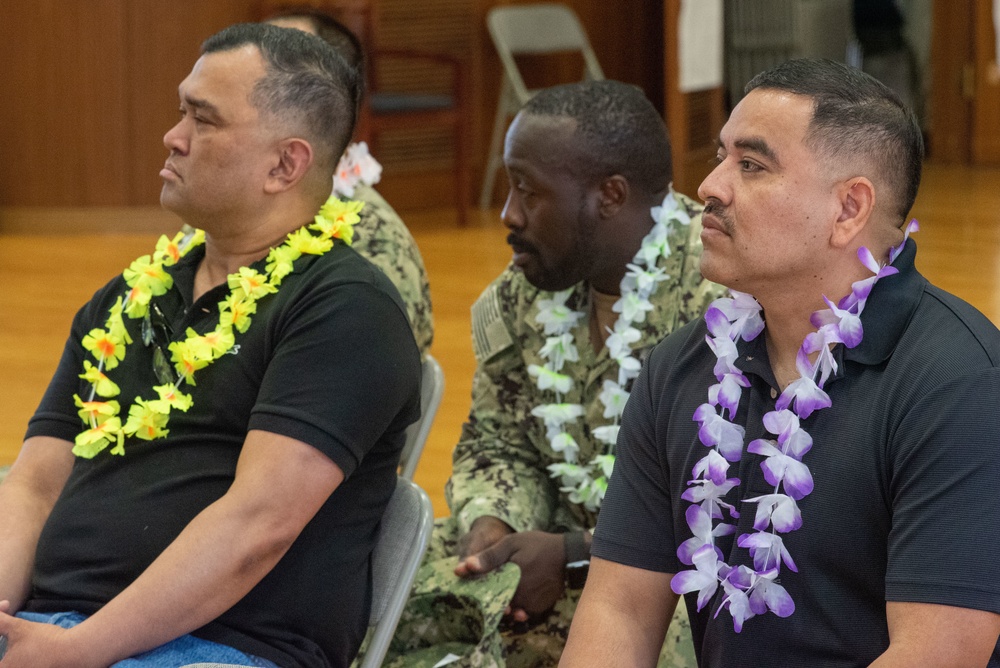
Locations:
column 43, row 280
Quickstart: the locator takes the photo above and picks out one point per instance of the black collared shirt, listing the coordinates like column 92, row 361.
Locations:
column 905, row 465
column 328, row 360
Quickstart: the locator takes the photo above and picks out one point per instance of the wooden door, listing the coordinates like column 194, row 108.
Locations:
column 965, row 89
column 694, row 119
column 986, row 93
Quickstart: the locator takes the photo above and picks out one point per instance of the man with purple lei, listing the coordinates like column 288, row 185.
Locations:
column 811, row 466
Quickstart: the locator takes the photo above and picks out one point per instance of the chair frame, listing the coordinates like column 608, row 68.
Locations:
column 389, row 600
column 386, row 612
column 431, row 392
column 530, row 29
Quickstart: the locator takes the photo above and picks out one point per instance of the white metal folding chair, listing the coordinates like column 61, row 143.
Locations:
column 542, row 28
column 431, row 391
column 402, row 541
column 406, row 530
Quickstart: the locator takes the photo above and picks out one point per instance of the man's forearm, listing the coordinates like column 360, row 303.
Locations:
column 622, row 617
column 219, row 557
column 19, row 532
column 938, row 636
column 26, row 500
column 221, row 554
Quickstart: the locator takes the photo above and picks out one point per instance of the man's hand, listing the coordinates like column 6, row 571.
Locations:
column 35, row 645
column 542, row 559
column 484, row 532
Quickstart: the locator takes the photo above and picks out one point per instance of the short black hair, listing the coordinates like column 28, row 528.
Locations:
column 854, row 115
column 617, row 129
column 306, row 81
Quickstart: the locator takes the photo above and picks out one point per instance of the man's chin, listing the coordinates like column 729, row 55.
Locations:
column 170, row 200
column 546, row 282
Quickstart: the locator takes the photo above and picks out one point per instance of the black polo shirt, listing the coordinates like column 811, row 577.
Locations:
column 328, row 360
column 905, row 464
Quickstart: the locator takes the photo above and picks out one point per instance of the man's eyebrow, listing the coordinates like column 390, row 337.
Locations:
column 198, row 103
column 756, row 145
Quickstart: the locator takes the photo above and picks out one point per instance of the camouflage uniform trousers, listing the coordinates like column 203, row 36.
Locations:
column 520, row 646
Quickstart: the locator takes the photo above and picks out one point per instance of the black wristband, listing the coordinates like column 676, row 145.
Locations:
column 576, row 547
column 577, row 559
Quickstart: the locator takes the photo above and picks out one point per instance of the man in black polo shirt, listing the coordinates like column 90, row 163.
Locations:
column 204, row 478
column 843, row 512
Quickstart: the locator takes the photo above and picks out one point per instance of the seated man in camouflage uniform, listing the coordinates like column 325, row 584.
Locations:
column 605, row 264
column 381, row 236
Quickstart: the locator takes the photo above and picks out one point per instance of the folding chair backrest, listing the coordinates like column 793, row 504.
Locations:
column 431, row 391
column 403, row 537
column 538, row 29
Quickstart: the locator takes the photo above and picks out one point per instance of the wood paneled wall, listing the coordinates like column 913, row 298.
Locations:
column 90, row 85
column 91, row 89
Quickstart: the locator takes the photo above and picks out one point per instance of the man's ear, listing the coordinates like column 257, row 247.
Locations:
column 294, row 157
column 613, row 193
column 856, row 197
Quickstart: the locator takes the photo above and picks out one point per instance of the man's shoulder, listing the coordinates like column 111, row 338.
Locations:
column 379, row 222
column 957, row 324
column 499, row 314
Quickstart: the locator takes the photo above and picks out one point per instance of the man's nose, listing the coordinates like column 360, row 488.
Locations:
column 511, row 215
column 713, row 186
column 174, row 139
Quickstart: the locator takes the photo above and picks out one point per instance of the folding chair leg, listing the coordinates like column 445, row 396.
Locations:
column 495, row 158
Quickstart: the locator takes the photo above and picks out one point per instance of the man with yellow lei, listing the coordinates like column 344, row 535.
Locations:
column 204, row 477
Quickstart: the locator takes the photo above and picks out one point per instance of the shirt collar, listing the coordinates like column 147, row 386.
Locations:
column 889, row 308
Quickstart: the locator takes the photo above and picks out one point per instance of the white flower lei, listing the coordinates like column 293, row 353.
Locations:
column 586, row 482
column 356, row 166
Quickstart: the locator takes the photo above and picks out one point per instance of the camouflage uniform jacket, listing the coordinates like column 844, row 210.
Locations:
column 499, row 465
column 382, row 237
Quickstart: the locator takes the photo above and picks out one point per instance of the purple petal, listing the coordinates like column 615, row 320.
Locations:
column 752, row 326
column 729, row 393
column 808, row 397
column 779, row 510
column 778, row 600
column 781, row 423
column 731, row 440
column 762, row 446
column 718, row 323
column 699, row 522
column 887, row 270
column 763, row 517
column 688, row 581
column 757, row 604
column 704, row 412
column 797, row 480
column 714, row 464
column 850, row 330
column 798, row 444
column 861, row 289
column 868, row 259
column 724, row 529
column 685, row 553
column 825, row 316
column 773, row 597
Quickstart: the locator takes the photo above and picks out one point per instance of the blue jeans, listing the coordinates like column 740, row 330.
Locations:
column 176, row 653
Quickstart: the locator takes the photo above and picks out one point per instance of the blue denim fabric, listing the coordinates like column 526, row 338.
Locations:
column 174, row 654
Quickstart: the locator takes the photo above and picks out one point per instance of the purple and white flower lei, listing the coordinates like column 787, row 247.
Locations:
column 754, row 591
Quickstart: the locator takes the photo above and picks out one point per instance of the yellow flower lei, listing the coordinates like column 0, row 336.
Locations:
column 146, row 278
